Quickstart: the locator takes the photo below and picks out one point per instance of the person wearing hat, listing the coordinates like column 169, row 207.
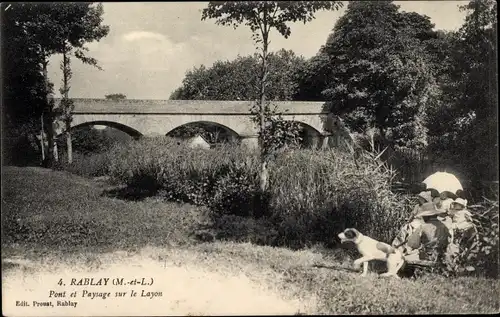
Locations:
column 401, row 239
column 423, row 197
column 459, row 213
column 432, row 237
column 457, row 216
column 462, row 224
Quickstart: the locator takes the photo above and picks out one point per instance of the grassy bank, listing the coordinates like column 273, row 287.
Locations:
column 57, row 210
column 56, row 218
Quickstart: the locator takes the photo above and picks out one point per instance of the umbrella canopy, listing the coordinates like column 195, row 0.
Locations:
column 442, row 181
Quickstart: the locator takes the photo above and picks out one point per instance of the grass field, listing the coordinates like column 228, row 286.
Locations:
column 55, row 221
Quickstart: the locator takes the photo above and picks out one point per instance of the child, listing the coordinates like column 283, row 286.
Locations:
column 463, row 231
column 461, row 217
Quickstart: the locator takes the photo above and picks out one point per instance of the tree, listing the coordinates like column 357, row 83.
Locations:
column 23, row 92
column 375, row 71
column 66, row 105
column 224, row 80
column 239, row 80
column 63, row 28
column 313, row 78
column 261, row 17
column 115, row 97
column 466, row 122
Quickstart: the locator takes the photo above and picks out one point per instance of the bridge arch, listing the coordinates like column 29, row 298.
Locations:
column 212, row 131
column 86, row 140
column 119, row 126
column 311, row 137
column 305, row 125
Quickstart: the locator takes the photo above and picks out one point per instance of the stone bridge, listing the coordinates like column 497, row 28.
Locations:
column 159, row 117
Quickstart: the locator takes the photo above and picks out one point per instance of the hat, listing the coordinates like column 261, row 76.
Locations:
column 460, row 201
column 426, row 195
column 428, row 209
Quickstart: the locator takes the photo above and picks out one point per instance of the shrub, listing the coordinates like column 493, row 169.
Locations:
column 140, row 163
column 316, row 194
column 88, row 165
column 199, row 176
column 20, row 150
column 89, row 140
column 481, row 255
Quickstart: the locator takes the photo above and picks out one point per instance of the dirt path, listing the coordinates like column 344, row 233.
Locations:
column 180, row 287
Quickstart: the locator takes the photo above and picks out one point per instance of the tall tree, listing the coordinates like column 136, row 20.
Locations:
column 375, row 70
column 23, row 91
column 56, row 28
column 261, row 17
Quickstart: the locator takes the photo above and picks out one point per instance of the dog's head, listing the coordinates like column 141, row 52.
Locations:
column 350, row 235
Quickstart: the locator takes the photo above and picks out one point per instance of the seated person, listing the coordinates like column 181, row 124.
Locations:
column 462, row 228
column 423, row 197
column 461, row 217
column 430, row 240
column 444, row 200
column 406, row 230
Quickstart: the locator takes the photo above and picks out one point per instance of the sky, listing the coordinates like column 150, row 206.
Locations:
column 151, row 46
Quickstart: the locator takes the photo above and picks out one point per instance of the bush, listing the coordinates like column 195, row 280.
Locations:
column 20, row 150
column 317, row 194
column 87, row 165
column 87, row 140
column 208, row 177
column 481, row 256
column 312, row 195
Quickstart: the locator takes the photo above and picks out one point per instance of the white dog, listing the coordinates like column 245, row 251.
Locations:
column 372, row 249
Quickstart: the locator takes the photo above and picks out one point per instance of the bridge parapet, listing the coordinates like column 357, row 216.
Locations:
column 187, row 107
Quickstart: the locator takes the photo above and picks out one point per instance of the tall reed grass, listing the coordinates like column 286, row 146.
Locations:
column 319, row 193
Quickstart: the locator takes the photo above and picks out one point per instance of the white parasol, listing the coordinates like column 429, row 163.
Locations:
column 442, row 181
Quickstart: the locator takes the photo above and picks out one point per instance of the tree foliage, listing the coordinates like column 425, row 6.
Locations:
column 375, row 70
column 277, row 13
column 23, row 87
column 464, row 128
column 33, row 32
column 88, row 140
column 239, row 79
column 53, row 28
